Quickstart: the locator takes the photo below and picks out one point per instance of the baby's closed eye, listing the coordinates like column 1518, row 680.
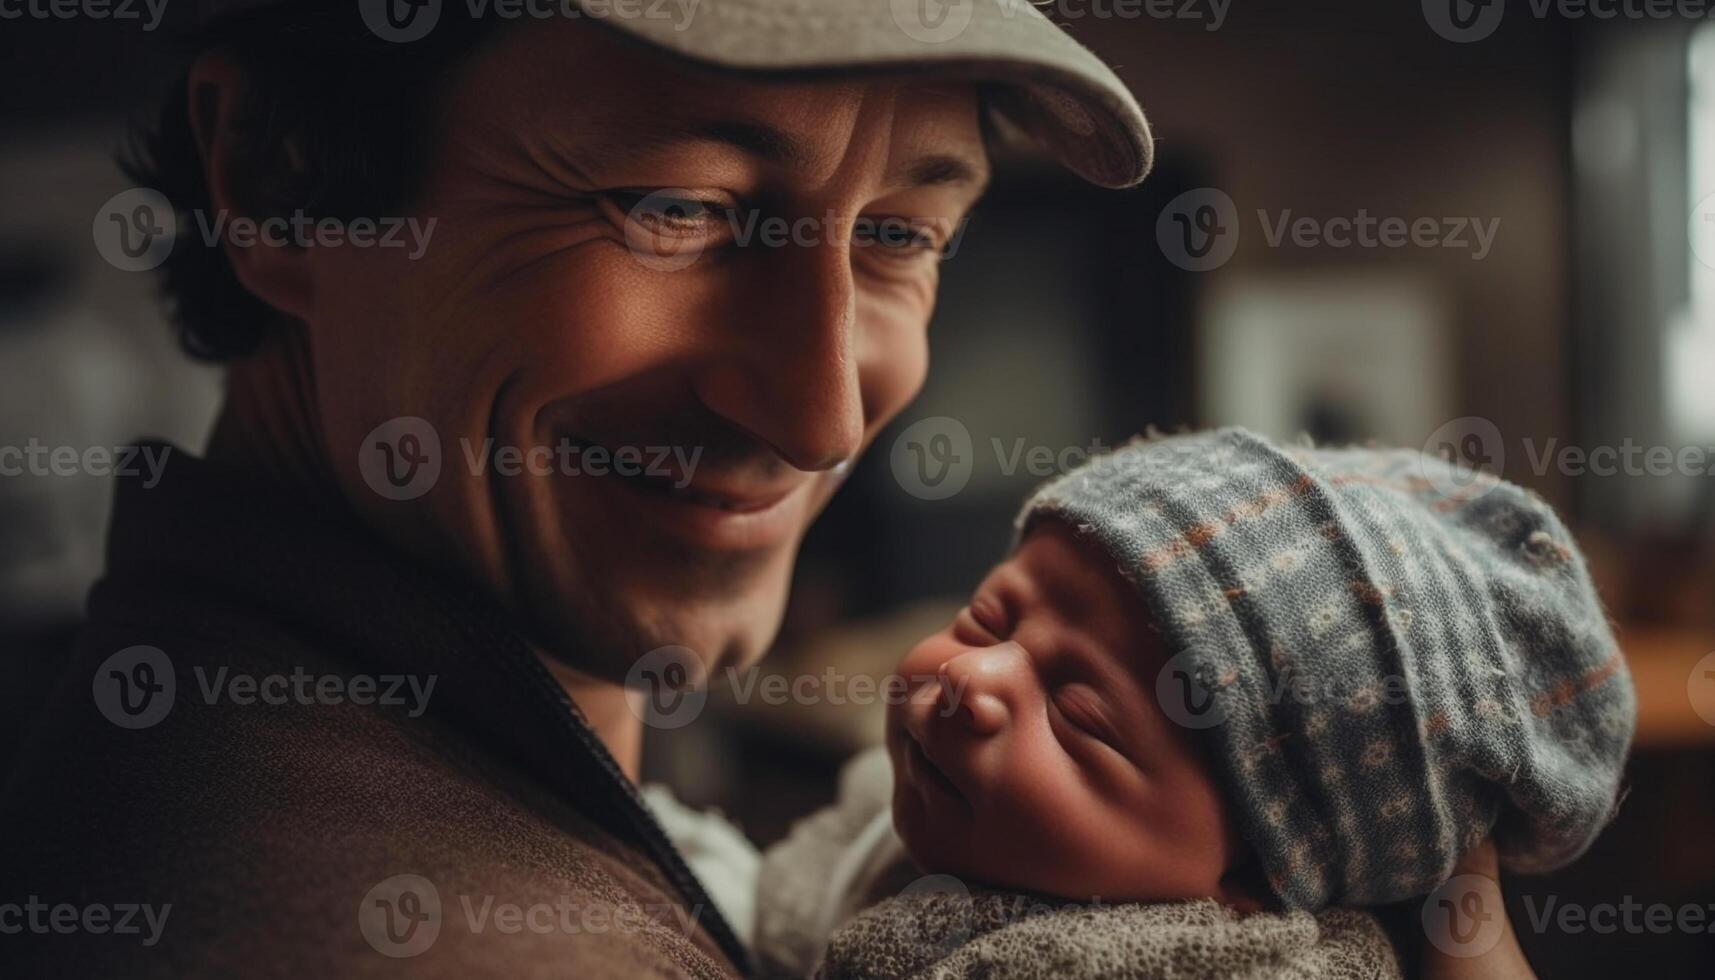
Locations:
column 1080, row 705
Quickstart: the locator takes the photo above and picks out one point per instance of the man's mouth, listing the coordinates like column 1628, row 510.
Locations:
column 718, row 512
column 732, row 500
column 670, row 471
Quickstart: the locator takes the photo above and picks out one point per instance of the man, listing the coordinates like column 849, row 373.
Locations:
column 349, row 701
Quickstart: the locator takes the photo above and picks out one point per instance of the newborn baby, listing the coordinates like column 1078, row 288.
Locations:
column 1040, row 759
column 1218, row 671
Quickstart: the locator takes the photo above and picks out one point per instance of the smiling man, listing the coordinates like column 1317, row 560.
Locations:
column 390, row 492
column 584, row 420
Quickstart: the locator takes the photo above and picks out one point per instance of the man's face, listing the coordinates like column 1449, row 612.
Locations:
column 572, row 178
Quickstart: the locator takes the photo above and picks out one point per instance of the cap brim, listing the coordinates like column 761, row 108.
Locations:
column 1050, row 86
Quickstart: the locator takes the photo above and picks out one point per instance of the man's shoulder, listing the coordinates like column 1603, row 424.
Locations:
column 288, row 807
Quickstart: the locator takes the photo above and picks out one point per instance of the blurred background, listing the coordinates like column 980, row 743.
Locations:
column 1550, row 316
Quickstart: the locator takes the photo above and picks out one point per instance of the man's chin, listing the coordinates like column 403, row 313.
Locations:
column 606, row 639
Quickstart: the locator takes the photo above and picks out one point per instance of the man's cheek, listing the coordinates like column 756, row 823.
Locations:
column 893, row 365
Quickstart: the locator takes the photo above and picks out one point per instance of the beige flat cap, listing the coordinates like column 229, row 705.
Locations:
column 1051, row 87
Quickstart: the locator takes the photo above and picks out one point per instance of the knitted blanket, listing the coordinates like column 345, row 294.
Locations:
column 943, row 935
column 838, row 900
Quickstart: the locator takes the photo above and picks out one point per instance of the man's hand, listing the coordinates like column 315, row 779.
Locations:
column 1462, row 917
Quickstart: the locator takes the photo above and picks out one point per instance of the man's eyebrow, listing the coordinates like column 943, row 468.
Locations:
column 778, row 147
column 942, row 169
column 758, row 139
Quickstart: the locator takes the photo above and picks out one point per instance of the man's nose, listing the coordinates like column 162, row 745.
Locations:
column 985, row 687
column 788, row 372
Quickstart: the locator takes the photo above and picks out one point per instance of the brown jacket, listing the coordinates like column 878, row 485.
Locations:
column 275, row 831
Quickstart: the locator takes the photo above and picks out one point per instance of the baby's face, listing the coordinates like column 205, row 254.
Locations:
column 1041, row 760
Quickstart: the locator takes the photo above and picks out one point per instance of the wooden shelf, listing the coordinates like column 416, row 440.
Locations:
column 1663, row 663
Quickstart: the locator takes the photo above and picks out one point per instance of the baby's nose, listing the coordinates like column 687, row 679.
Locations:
column 982, row 687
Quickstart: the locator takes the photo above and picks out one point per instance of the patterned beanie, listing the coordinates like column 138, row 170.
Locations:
column 1390, row 657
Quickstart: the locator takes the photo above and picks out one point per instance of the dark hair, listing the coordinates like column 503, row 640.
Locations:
column 334, row 121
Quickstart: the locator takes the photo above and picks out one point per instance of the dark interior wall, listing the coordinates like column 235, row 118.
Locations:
column 1337, row 106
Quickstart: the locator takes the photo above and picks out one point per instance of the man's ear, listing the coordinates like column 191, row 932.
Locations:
column 265, row 259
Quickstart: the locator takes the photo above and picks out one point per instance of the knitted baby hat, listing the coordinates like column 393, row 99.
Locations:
column 1390, row 657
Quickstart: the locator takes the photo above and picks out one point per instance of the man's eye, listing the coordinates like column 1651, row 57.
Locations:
column 671, row 216
column 898, row 238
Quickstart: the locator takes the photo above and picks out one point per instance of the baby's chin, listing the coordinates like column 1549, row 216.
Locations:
column 931, row 841
column 944, row 844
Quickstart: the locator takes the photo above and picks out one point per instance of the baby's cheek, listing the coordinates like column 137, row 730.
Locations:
column 1121, row 847
column 1064, row 832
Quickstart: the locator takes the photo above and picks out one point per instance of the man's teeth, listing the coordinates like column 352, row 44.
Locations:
column 707, row 500
column 690, row 494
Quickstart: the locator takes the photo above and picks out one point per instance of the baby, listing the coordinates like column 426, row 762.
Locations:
column 1213, row 668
